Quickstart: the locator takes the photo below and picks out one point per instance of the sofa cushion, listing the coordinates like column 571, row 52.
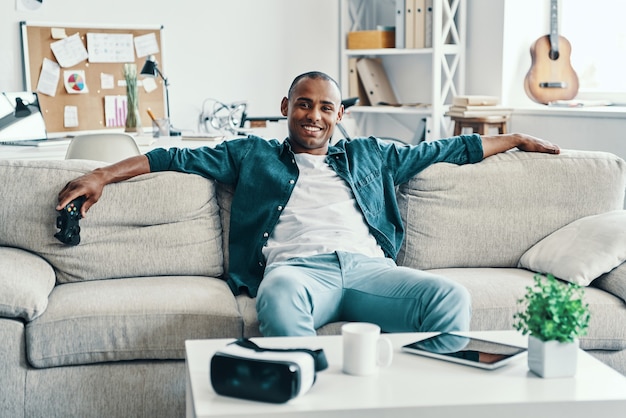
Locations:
column 26, row 280
column 488, row 214
column 224, row 194
column 13, row 371
column 613, row 282
column 495, row 292
column 156, row 224
column 582, row 250
column 129, row 319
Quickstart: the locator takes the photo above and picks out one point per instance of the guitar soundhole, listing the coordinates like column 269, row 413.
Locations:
column 554, row 55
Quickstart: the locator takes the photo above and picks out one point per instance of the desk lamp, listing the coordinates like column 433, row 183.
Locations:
column 21, row 109
column 151, row 69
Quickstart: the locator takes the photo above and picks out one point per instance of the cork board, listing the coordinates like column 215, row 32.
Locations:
column 37, row 40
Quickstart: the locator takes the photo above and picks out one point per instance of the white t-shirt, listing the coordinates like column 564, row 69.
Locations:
column 321, row 217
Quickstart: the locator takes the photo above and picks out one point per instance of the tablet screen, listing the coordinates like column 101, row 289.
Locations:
column 465, row 350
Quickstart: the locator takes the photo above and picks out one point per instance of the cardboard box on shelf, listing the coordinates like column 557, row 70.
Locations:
column 371, row 39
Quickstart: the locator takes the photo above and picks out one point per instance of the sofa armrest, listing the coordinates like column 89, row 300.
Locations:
column 26, row 281
column 613, row 282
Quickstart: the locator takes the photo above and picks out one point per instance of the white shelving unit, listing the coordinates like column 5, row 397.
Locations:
column 429, row 76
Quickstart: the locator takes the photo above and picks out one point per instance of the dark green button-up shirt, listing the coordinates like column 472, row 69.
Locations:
column 264, row 173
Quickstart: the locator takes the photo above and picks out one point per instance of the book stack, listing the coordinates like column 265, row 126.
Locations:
column 477, row 107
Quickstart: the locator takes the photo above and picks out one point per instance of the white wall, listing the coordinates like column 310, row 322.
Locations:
column 230, row 50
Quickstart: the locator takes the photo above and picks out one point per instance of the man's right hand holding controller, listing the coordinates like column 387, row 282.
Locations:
column 92, row 184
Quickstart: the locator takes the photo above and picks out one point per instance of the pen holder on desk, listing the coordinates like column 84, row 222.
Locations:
column 160, row 127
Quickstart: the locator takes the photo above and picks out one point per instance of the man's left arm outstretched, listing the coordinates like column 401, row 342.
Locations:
column 496, row 144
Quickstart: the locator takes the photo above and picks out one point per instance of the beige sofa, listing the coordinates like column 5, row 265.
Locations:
column 99, row 329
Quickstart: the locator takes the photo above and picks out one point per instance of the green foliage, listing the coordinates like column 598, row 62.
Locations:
column 553, row 310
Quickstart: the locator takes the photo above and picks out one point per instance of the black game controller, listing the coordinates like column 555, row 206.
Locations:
column 67, row 222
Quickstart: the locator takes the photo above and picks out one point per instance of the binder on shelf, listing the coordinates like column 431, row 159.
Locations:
column 409, row 24
column 353, row 77
column 355, row 86
column 375, row 82
column 419, row 24
column 400, row 22
column 428, row 24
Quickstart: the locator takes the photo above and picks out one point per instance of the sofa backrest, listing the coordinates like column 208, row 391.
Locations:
column 152, row 225
column 488, row 214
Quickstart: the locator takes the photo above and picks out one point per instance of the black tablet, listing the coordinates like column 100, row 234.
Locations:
column 465, row 350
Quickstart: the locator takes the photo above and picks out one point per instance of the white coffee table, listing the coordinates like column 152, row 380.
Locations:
column 416, row 386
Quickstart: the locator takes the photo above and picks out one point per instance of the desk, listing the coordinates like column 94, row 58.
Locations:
column 57, row 152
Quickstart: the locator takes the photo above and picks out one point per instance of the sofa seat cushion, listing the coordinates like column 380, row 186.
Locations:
column 155, row 224
column 26, row 280
column 495, row 292
column 130, row 319
column 467, row 216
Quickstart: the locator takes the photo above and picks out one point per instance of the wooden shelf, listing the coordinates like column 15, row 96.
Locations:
column 387, row 51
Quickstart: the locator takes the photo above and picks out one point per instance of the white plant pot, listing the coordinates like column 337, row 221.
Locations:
column 552, row 358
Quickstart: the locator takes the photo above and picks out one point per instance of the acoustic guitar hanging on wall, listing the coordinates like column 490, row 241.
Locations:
column 551, row 76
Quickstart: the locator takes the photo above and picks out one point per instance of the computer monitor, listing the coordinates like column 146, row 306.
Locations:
column 21, row 118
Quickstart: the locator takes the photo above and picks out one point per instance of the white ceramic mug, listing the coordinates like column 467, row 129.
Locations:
column 364, row 349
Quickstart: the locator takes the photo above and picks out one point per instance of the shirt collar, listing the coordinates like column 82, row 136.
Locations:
column 338, row 148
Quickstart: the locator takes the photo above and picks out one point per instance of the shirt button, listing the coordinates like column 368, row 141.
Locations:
column 292, row 181
column 260, row 264
column 280, row 207
column 265, row 234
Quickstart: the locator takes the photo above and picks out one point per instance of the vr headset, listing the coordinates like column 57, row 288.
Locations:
column 244, row 370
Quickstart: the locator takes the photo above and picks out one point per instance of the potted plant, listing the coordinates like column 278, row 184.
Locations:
column 554, row 316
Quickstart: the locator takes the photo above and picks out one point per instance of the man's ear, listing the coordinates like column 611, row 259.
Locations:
column 284, row 106
column 340, row 113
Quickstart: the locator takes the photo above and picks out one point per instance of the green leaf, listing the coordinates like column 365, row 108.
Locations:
column 552, row 310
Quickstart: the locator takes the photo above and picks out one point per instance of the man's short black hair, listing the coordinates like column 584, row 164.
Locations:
column 313, row 75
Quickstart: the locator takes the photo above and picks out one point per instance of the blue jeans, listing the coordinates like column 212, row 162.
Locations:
column 299, row 295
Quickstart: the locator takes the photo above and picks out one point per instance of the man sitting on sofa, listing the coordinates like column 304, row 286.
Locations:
column 315, row 228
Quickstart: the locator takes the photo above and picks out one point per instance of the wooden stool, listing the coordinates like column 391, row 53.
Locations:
column 480, row 125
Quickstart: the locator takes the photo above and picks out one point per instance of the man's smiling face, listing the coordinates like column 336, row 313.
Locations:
column 313, row 109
